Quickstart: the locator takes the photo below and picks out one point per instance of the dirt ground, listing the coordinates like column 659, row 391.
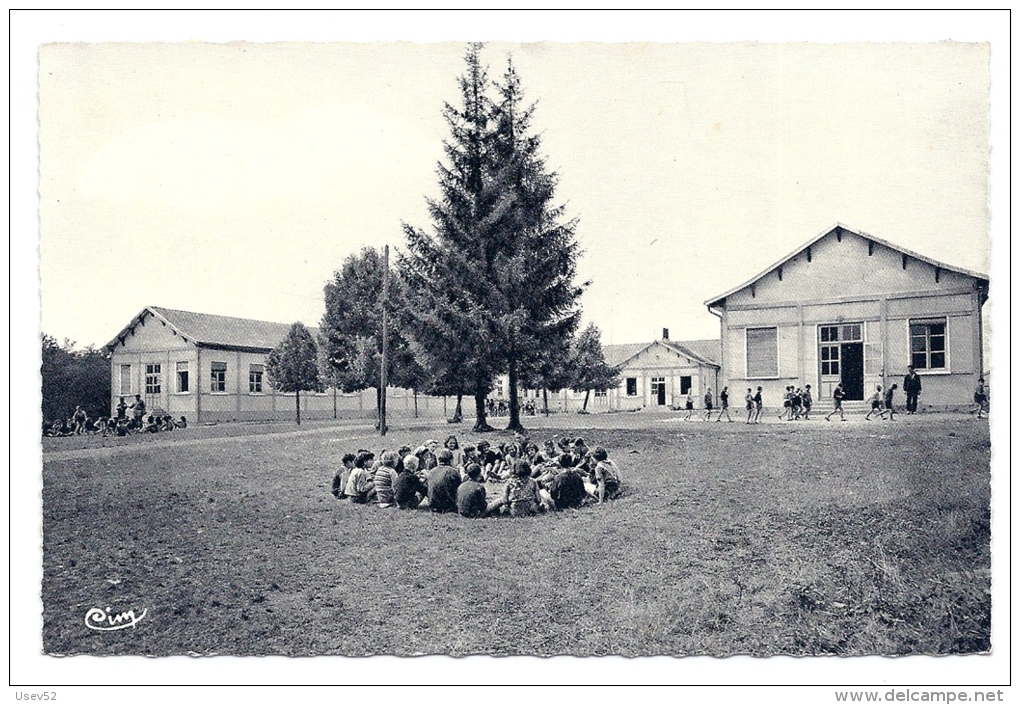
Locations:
column 794, row 538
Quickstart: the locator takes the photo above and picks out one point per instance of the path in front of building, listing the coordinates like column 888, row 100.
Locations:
column 348, row 433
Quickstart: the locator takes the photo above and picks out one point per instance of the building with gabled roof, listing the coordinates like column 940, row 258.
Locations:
column 654, row 375
column 202, row 366
column 848, row 307
column 211, row 368
column 661, row 374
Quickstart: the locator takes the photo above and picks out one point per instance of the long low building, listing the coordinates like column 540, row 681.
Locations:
column 213, row 368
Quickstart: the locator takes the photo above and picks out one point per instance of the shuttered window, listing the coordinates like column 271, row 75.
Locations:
column 762, row 353
column 255, row 379
column 125, row 379
column 219, row 377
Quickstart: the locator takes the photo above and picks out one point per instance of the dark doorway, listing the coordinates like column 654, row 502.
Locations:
column 852, row 375
column 662, row 394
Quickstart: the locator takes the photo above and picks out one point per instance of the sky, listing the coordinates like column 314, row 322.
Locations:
column 234, row 178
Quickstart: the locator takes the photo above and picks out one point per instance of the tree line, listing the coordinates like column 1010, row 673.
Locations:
column 73, row 377
column 488, row 289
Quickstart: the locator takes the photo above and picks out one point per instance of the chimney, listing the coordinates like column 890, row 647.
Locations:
column 665, row 333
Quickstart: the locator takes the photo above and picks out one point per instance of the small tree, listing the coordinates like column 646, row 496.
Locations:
column 293, row 366
column 351, row 329
column 591, row 371
column 551, row 371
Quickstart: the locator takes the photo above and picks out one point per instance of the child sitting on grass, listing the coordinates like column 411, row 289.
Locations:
column 360, row 488
column 521, row 493
column 471, row 494
column 567, row 491
column 385, row 475
column 443, row 481
column 342, row 475
column 607, row 476
column 408, row 488
column 491, row 462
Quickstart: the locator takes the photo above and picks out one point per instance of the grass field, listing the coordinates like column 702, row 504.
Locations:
column 795, row 538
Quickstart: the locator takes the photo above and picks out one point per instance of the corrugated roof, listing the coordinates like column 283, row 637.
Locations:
column 706, row 349
column 616, row 355
column 210, row 330
column 839, row 226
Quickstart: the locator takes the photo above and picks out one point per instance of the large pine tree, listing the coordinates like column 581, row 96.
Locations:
column 534, row 305
column 492, row 288
column 445, row 273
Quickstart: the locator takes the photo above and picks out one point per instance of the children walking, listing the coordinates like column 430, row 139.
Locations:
column 838, row 395
column 795, row 404
column 787, row 411
column 889, row 401
column 724, row 404
column 759, row 406
column 749, row 404
column 708, row 404
column 876, row 404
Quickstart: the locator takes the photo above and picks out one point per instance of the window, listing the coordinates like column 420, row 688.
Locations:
column 851, row 333
column 219, row 377
column 831, row 336
column 600, row 392
column 685, row 384
column 632, row 386
column 125, row 379
column 762, row 353
column 928, row 344
column 830, row 360
column 182, row 377
column 152, row 381
column 255, row 379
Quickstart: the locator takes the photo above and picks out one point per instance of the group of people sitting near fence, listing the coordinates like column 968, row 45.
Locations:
column 80, row 423
column 501, row 407
column 563, row 474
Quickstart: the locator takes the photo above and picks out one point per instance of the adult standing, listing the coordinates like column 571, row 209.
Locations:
column 912, row 389
column 138, row 409
column 80, row 417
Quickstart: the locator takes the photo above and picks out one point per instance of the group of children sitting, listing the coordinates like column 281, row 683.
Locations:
column 80, row 424
column 562, row 475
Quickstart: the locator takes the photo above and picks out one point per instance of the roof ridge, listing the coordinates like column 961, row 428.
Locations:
column 220, row 315
column 860, row 233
